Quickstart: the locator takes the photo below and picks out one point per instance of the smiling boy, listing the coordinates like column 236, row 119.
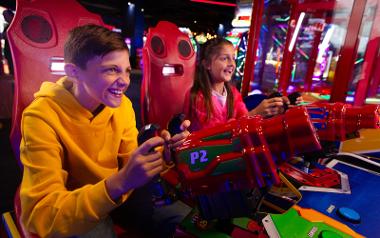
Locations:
column 79, row 141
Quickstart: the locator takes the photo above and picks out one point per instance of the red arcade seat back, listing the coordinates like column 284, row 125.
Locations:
column 169, row 67
column 36, row 37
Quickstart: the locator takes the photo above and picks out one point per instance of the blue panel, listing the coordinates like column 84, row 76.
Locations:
column 364, row 199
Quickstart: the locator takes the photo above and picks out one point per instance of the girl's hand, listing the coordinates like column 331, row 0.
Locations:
column 269, row 107
column 299, row 101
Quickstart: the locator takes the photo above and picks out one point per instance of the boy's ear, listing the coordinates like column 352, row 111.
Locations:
column 71, row 70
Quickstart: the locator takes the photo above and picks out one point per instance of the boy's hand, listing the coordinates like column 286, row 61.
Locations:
column 141, row 167
column 178, row 138
column 175, row 141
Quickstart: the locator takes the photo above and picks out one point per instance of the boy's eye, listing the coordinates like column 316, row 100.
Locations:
column 111, row 70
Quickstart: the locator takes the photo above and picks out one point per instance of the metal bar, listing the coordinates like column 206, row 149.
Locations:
column 313, row 58
column 288, row 57
column 370, row 65
column 253, row 41
column 344, row 69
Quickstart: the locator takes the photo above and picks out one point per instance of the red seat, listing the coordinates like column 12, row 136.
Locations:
column 169, row 67
column 36, row 38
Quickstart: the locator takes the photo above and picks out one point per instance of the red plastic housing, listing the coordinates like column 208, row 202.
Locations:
column 238, row 154
column 169, row 67
column 319, row 177
column 335, row 121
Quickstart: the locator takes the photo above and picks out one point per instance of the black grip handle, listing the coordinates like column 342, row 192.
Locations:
column 174, row 126
column 276, row 95
column 293, row 97
column 146, row 132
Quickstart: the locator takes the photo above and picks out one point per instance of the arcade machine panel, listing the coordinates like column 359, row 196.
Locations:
column 169, row 67
column 36, row 37
column 334, row 123
column 358, row 209
column 347, row 210
column 367, row 143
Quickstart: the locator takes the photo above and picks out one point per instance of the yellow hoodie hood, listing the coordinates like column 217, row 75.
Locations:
column 59, row 92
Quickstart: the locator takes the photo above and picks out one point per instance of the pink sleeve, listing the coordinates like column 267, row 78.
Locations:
column 240, row 109
column 197, row 111
column 199, row 114
column 198, row 117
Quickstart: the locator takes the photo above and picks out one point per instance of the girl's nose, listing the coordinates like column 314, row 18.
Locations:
column 231, row 61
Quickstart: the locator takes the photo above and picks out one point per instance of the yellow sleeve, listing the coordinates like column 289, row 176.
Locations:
column 48, row 208
column 128, row 142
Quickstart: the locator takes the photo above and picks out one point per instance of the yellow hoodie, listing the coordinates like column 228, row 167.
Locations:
column 67, row 153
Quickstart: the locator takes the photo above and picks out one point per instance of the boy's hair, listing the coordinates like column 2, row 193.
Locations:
column 88, row 41
column 202, row 81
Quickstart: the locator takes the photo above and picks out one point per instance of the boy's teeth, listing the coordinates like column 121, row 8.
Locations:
column 116, row 91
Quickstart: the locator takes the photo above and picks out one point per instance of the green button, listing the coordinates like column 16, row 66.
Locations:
column 329, row 234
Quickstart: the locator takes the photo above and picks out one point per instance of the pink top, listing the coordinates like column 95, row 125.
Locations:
column 219, row 116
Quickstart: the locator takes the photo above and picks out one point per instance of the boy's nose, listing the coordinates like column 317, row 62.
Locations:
column 123, row 81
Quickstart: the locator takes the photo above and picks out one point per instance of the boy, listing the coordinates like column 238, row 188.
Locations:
column 79, row 141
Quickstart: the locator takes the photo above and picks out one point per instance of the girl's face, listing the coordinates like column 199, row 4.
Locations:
column 222, row 64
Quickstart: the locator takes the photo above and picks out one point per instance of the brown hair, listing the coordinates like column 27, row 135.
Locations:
column 202, row 81
column 87, row 41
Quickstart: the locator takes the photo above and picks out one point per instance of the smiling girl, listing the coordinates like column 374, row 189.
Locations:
column 212, row 100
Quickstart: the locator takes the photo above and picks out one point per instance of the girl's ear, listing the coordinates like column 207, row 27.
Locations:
column 206, row 64
column 71, row 70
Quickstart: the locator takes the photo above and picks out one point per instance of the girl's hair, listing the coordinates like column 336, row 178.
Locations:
column 202, row 81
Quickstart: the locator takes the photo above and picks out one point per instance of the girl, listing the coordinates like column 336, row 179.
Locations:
column 212, row 99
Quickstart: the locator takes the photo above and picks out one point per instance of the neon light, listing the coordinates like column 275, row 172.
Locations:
column 325, row 43
column 302, row 53
column 57, row 66
column 295, row 34
column 168, row 70
column 277, row 41
column 244, row 18
column 372, row 100
column 9, row 225
column 215, row 3
column 282, row 19
column 349, row 99
column 359, row 61
column 293, row 72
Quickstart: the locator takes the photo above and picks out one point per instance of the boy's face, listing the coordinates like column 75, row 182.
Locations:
column 222, row 65
column 104, row 80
